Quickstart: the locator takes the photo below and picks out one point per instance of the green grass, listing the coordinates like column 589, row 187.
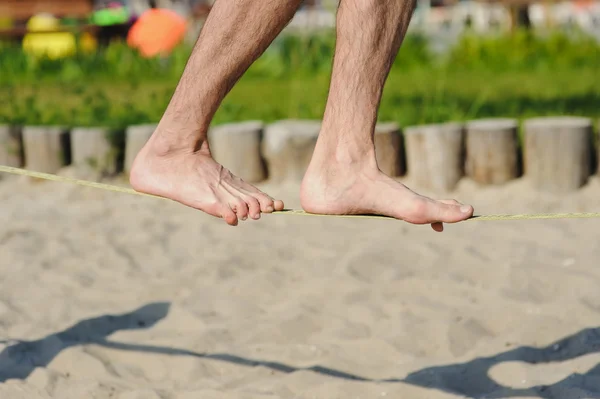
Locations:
column 517, row 76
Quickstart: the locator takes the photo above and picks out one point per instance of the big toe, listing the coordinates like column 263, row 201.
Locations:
column 447, row 211
column 278, row 204
column 450, row 211
column 268, row 204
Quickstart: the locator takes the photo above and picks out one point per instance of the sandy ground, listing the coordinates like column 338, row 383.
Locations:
column 106, row 295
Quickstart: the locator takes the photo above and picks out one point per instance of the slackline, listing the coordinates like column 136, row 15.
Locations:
column 298, row 212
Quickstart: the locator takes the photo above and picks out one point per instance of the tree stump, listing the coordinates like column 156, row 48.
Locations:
column 96, row 149
column 11, row 147
column 47, row 149
column 598, row 148
column 389, row 149
column 288, row 146
column 491, row 146
column 558, row 153
column 237, row 147
column 136, row 139
column 434, row 155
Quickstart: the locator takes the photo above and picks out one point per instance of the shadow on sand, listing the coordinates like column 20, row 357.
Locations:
column 20, row 358
column 468, row 379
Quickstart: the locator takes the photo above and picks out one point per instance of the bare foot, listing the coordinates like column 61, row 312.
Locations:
column 195, row 179
column 335, row 189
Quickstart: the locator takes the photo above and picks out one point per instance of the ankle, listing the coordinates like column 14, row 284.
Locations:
column 355, row 158
column 169, row 141
column 340, row 155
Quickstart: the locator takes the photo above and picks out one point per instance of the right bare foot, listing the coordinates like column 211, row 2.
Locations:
column 331, row 188
column 195, row 179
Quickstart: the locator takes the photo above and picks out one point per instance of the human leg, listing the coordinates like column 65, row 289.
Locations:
column 176, row 162
column 343, row 177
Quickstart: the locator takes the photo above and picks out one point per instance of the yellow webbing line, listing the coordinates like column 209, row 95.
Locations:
column 108, row 187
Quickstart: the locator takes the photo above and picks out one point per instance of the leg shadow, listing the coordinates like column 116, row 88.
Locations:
column 468, row 379
column 18, row 360
column 472, row 379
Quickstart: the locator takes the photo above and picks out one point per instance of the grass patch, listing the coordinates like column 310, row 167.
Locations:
column 519, row 75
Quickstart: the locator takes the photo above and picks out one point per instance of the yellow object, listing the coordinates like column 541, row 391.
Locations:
column 50, row 43
column 108, row 187
column 5, row 22
column 88, row 43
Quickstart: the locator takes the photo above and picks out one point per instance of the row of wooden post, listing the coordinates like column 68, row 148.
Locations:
column 557, row 154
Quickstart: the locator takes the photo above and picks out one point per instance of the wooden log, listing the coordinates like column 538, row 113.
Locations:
column 11, row 146
column 237, row 147
column 598, row 148
column 491, row 150
column 46, row 148
column 96, row 149
column 136, row 138
column 288, row 146
column 389, row 148
column 558, row 153
column 434, row 155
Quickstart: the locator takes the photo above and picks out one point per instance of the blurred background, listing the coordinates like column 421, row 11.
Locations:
column 116, row 63
column 300, row 307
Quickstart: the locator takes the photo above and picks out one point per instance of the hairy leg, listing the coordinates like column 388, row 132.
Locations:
column 176, row 162
column 343, row 177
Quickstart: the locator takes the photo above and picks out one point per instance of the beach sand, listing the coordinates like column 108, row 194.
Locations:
column 107, row 295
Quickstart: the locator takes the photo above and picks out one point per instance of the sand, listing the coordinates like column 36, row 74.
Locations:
column 106, row 295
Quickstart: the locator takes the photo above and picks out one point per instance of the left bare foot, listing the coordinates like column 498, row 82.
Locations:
column 195, row 179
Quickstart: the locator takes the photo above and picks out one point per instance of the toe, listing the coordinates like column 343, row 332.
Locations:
column 266, row 203
column 254, row 207
column 229, row 216
column 278, row 205
column 425, row 210
column 240, row 207
column 437, row 226
column 450, row 202
column 449, row 211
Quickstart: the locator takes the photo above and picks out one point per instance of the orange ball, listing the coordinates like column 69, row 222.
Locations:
column 157, row 32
